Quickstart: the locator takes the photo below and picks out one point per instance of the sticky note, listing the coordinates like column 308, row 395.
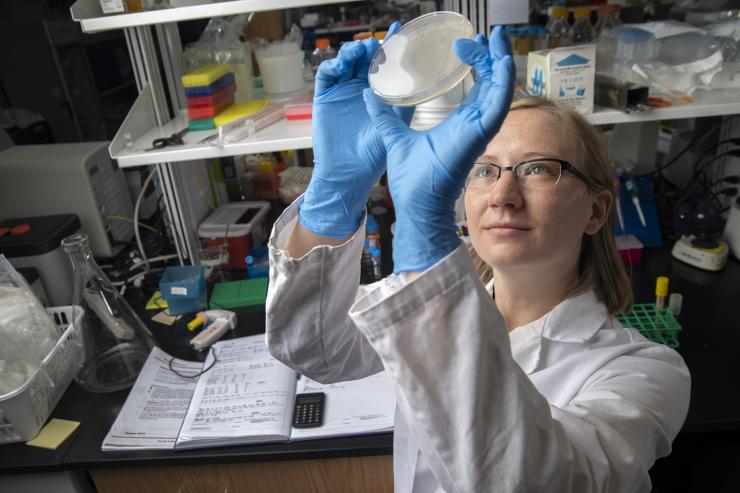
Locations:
column 156, row 302
column 54, row 433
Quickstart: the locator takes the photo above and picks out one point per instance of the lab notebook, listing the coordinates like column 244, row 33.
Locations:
column 239, row 395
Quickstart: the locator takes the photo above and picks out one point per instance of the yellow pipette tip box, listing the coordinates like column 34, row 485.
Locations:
column 205, row 75
column 240, row 110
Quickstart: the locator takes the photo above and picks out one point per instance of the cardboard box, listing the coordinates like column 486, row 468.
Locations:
column 564, row 75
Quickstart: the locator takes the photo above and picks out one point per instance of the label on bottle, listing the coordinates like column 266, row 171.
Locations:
column 179, row 291
column 112, row 6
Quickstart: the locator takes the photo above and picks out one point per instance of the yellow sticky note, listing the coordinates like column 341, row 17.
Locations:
column 156, row 302
column 54, row 433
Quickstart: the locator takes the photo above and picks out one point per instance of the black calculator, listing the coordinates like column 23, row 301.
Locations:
column 309, row 410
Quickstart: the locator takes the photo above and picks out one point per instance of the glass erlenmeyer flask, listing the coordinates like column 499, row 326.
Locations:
column 116, row 342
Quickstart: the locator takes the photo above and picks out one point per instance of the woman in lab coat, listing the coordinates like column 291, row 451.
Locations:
column 539, row 390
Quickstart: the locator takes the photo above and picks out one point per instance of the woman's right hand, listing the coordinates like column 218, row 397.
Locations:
column 349, row 156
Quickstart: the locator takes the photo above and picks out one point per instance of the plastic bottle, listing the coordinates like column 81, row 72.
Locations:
column 375, row 258
column 323, row 51
column 558, row 29
column 372, row 232
column 608, row 18
column 582, row 32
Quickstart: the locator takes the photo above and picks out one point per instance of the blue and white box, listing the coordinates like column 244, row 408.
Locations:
column 564, row 75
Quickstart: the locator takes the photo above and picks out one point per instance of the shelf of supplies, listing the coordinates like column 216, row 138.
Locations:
column 344, row 29
column 139, row 129
column 706, row 104
column 130, row 144
column 90, row 16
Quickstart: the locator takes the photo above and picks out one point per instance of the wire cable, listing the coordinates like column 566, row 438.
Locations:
column 137, row 207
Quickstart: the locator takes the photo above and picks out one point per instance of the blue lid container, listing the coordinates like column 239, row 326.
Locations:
column 184, row 288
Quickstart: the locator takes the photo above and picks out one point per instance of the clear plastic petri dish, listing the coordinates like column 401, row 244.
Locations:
column 418, row 63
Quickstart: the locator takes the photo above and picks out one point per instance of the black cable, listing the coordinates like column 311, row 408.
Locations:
column 213, row 350
column 699, row 170
column 701, row 135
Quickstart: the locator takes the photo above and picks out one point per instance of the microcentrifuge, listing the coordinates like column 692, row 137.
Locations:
column 418, row 63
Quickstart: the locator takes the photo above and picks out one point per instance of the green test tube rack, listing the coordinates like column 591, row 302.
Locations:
column 657, row 325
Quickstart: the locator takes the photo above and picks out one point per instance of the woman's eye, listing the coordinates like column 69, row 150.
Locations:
column 484, row 171
column 538, row 169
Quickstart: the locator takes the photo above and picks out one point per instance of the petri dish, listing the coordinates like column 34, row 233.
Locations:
column 417, row 63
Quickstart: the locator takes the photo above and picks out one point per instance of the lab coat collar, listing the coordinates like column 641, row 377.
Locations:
column 574, row 320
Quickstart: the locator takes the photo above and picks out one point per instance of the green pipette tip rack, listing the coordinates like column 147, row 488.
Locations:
column 658, row 326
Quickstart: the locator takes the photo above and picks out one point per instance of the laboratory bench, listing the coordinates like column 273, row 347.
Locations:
column 709, row 342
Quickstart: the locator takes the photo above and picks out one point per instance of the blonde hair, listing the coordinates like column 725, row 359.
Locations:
column 599, row 265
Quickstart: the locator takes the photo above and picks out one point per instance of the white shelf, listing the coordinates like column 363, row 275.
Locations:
column 297, row 134
column 90, row 16
column 706, row 104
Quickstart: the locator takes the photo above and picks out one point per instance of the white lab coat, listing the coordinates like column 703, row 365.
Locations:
column 570, row 402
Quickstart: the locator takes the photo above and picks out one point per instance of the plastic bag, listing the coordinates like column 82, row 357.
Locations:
column 221, row 42
column 27, row 332
column 670, row 57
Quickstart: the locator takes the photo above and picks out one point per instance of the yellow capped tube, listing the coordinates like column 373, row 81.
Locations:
column 661, row 291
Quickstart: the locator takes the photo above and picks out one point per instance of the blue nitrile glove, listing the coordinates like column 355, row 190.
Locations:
column 349, row 156
column 427, row 170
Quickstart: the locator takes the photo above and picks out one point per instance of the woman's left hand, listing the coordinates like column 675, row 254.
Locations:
column 427, row 170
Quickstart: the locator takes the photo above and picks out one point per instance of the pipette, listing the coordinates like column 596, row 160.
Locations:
column 618, row 201
column 218, row 322
column 631, row 186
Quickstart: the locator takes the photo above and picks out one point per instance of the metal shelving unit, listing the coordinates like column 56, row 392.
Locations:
column 150, row 118
column 158, row 69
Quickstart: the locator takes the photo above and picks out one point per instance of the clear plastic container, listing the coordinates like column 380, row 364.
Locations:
column 418, row 62
column 582, row 32
column 558, row 28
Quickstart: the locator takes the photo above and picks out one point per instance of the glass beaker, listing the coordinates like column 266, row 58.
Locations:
column 115, row 340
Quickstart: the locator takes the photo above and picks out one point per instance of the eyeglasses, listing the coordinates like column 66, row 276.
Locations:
column 533, row 173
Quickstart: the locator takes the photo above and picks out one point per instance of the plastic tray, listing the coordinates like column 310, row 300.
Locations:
column 658, row 326
column 24, row 411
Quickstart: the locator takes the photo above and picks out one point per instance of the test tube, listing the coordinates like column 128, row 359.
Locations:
column 661, row 291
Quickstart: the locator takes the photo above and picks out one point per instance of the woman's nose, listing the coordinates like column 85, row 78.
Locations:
column 506, row 192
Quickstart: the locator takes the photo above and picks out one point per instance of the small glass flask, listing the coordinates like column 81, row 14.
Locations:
column 115, row 340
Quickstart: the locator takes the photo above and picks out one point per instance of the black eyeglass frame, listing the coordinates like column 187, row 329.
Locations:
column 564, row 166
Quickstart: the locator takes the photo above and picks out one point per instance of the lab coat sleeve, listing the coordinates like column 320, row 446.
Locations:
column 307, row 323
column 477, row 417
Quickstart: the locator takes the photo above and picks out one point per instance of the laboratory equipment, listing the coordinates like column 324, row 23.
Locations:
column 732, row 228
column 115, row 341
column 281, row 67
column 661, row 291
column 631, row 187
column 557, row 27
column 621, row 95
column 184, row 288
column 24, row 411
column 216, row 323
column 323, row 51
column 241, row 225
column 697, row 252
column 608, row 18
column 173, row 140
column 79, row 178
column 675, row 302
column 582, row 32
column 236, row 294
column 418, row 62
column 35, row 242
column 656, row 325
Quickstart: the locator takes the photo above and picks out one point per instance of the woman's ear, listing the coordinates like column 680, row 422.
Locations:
column 600, row 209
